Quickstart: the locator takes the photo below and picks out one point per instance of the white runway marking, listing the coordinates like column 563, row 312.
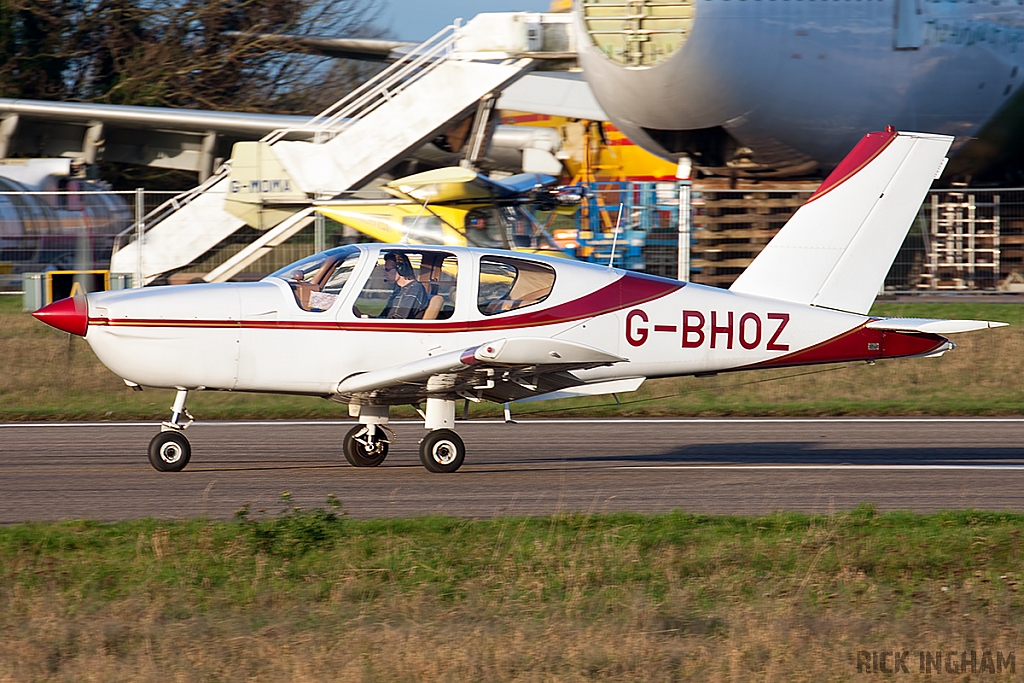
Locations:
column 818, row 467
column 532, row 421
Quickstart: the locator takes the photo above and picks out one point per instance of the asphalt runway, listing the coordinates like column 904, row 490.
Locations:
column 536, row 467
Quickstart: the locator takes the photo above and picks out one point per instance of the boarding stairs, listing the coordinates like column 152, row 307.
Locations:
column 341, row 149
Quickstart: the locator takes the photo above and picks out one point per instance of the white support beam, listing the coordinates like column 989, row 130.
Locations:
column 8, row 127
column 93, row 142
column 206, row 152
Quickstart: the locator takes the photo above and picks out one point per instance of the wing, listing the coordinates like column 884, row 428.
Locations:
column 500, row 370
column 363, row 49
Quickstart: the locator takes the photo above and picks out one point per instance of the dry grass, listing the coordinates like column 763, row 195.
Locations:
column 45, row 374
column 623, row 597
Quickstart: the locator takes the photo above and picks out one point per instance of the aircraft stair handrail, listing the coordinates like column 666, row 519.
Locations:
column 408, row 69
column 151, row 219
column 377, row 91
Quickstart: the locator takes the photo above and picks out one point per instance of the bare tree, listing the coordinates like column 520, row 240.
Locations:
column 178, row 53
column 32, row 34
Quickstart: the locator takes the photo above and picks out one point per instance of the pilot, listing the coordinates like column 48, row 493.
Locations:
column 409, row 300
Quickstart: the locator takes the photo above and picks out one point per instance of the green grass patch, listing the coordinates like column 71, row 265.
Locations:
column 49, row 375
column 314, row 595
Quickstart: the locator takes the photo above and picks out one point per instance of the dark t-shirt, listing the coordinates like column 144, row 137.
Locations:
column 407, row 302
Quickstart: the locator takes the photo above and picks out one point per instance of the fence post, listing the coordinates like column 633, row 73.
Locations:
column 319, row 233
column 140, row 229
column 683, row 267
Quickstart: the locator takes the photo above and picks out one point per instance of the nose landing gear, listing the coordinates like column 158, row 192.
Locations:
column 366, row 445
column 170, row 451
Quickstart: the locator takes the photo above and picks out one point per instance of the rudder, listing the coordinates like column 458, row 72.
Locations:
column 837, row 248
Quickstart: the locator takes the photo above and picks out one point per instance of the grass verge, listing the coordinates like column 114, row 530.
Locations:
column 46, row 374
column 313, row 595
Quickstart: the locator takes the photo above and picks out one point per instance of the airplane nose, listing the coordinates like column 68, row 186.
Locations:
column 68, row 315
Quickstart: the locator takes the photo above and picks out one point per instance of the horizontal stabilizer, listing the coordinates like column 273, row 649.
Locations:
column 837, row 248
column 256, row 183
column 931, row 325
column 553, row 93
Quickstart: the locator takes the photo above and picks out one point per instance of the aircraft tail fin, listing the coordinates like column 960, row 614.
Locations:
column 259, row 190
column 837, row 248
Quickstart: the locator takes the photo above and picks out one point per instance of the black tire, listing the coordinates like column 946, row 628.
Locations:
column 442, row 451
column 358, row 455
column 169, row 452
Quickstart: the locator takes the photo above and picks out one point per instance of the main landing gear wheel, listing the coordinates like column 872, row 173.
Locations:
column 363, row 451
column 169, row 451
column 442, row 451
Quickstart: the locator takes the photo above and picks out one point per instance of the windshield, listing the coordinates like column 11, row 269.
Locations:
column 317, row 280
column 311, row 264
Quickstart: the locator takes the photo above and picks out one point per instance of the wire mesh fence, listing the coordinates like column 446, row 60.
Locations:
column 42, row 231
column 961, row 240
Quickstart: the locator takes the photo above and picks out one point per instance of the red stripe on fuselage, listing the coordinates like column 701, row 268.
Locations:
column 631, row 289
column 854, row 345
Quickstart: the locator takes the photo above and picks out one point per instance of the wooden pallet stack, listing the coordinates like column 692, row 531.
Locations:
column 963, row 246
column 734, row 219
column 1011, row 256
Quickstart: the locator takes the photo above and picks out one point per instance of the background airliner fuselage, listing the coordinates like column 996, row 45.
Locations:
column 798, row 81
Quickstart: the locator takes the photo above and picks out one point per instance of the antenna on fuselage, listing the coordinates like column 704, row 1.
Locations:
column 615, row 237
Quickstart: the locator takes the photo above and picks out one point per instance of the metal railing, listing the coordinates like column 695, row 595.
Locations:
column 377, row 91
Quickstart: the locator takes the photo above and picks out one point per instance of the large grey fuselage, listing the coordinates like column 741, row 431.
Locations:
column 797, row 82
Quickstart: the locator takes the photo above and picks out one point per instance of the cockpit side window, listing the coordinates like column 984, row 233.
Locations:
column 508, row 284
column 408, row 284
column 422, row 229
column 484, row 228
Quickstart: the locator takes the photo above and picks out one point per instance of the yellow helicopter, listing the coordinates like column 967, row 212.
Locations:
column 458, row 207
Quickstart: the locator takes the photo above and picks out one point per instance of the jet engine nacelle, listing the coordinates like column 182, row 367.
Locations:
column 639, row 75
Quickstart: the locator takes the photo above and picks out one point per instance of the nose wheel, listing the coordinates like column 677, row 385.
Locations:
column 366, row 445
column 442, row 451
column 170, row 451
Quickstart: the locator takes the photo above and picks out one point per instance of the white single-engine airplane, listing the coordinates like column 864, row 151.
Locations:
column 381, row 325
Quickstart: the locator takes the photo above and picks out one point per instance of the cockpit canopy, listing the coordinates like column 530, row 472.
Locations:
column 406, row 282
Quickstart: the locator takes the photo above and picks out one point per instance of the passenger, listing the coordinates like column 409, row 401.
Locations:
column 409, row 299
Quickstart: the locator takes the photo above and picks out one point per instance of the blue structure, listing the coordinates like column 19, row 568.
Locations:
column 648, row 238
